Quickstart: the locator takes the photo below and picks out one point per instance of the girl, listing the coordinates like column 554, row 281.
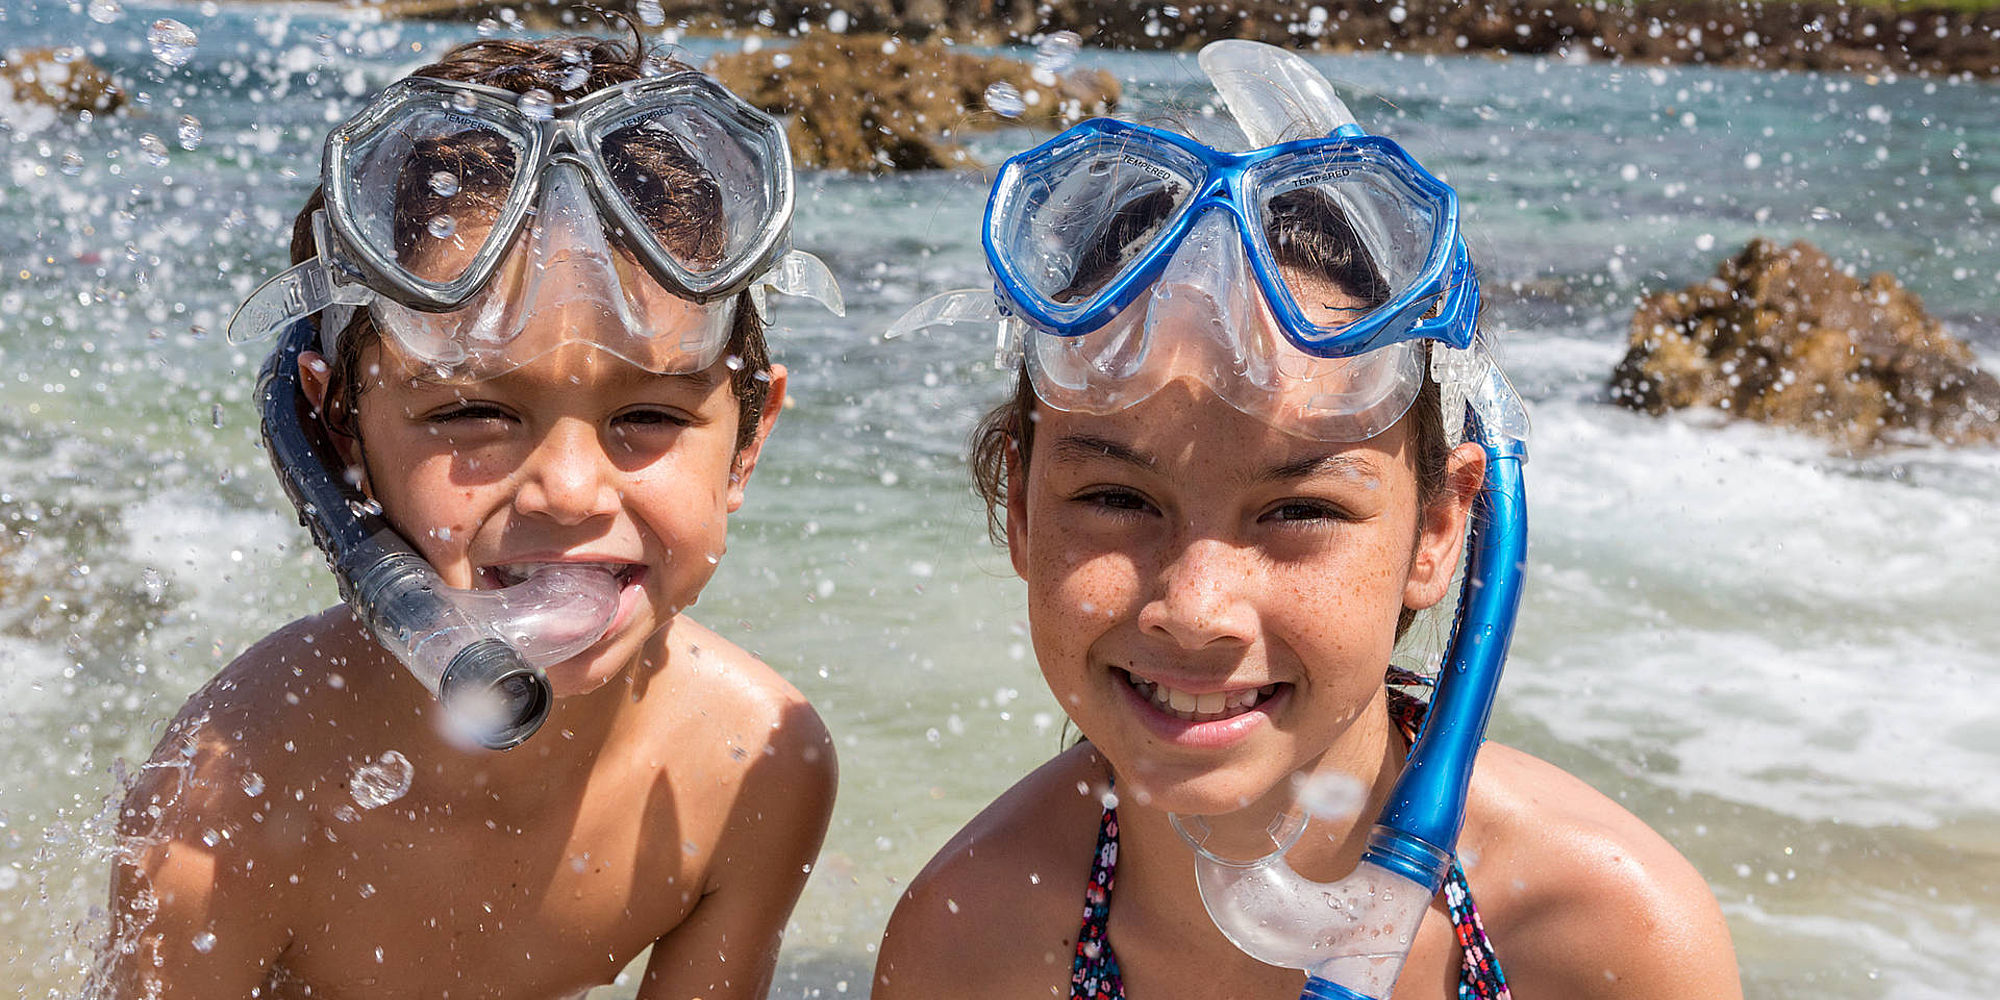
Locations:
column 1231, row 475
column 535, row 426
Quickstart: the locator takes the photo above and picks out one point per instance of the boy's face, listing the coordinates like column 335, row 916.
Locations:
column 576, row 456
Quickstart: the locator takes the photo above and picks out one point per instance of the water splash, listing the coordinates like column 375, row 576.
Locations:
column 173, row 43
column 382, row 780
column 1004, row 99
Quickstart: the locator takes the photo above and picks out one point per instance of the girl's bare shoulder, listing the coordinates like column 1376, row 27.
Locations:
column 997, row 910
column 1580, row 897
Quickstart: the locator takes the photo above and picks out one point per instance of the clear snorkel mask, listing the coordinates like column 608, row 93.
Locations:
column 1311, row 283
column 483, row 229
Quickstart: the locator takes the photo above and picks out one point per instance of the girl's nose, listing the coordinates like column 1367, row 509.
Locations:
column 568, row 478
column 1201, row 597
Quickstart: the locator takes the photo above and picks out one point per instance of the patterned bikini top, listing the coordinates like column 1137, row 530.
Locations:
column 1094, row 975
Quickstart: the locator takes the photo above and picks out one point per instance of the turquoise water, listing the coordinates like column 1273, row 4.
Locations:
column 1783, row 659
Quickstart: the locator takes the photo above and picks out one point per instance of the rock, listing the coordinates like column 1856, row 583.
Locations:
column 876, row 103
column 1783, row 336
column 60, row 78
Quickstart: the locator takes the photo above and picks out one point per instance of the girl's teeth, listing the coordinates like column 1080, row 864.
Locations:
column 1190, row 707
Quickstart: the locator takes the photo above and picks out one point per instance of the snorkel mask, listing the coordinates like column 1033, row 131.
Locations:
column 1310, row 282
column 483, row 229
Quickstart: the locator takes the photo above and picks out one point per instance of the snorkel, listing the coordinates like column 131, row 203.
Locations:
column 479, row 652
column 1351, row 936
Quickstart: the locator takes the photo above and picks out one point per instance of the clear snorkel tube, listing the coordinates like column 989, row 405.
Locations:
column 1352, row 936
column 480, row 652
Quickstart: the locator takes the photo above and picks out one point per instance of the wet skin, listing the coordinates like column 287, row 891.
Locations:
column 674, row 798
column 1188, row 548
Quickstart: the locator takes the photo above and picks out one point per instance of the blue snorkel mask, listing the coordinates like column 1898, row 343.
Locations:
column 1312, row 282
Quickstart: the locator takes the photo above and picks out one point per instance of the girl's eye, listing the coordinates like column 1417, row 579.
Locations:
column 1306, row 510
column 1116, row 500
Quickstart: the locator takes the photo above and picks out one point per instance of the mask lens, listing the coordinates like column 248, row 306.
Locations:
column 704, row 188
column 1348, row 233
column 427, row 186
column 1081, row 216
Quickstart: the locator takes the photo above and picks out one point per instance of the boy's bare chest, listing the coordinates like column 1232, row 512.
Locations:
column 422, row 904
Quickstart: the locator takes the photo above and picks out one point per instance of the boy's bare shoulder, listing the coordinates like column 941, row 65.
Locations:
column 1022, row 864
column 722, row 697
column 257, row 745
column 1582, row 898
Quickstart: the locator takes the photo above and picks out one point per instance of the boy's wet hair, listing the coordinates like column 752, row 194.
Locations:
column 663, row 183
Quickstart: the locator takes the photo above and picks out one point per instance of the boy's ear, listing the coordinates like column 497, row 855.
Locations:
column 315, row 375
column 745, row 461
column 1441, row 528
column 1017, row 509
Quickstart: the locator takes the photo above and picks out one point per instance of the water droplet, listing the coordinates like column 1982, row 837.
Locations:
column 537, row 105
column 173, row 43
column 1333, row 796
column 253, row 784
column 72, row 163
column 463, row 101
column 650, row 13
column 367, row 889
column 204, row 942
column 1057, row 51
column 153, row 149
column 190, row 132
column 105, row 11
column 733, row 362
column 442, row 226
column 381, row 781
column 444, row 183
column 488, row 26
column 1005, row 100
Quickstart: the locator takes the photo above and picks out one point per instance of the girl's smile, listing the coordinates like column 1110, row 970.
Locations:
column 1218, row 617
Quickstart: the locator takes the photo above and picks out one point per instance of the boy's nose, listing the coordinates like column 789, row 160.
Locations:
column 568, row 478
column 1201, row 597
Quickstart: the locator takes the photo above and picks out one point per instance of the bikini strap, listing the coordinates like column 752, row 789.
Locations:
column 1094, row 975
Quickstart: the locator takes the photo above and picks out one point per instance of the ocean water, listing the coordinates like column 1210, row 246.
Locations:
column 1784, row 658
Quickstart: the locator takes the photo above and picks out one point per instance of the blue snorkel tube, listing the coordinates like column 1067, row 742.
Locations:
column 1352, row 936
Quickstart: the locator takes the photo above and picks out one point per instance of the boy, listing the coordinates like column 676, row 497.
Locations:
column 312, row 825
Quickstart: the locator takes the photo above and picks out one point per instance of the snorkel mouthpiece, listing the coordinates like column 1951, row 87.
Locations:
column 480, row 653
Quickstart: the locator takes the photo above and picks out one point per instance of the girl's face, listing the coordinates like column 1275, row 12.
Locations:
column 574, row 457
column 1213, row 601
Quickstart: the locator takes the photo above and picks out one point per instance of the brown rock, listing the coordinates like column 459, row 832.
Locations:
column 59, row 78
column 1782, row 335
column 876, row 103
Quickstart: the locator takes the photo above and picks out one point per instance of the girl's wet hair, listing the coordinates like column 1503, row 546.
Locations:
column 655, row 173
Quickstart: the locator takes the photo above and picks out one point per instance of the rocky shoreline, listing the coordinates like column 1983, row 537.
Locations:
column 1806, row 35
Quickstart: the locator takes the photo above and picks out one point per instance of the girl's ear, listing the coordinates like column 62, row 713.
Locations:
column 745, row 461
column 1017, row 509
column 315, row 376
column 1441, row 528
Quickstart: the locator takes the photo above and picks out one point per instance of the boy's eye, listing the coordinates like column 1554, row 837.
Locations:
column 654, row 418
column 467, row 413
